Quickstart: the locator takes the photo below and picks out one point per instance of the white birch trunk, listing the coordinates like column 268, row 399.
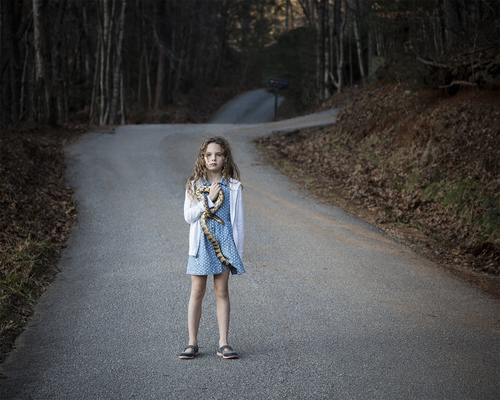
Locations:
column 340, row 49
column 359, row 49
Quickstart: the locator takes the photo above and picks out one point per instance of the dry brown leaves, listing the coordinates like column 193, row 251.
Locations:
column 423, row 166
column 36, row 214
column 34, row 200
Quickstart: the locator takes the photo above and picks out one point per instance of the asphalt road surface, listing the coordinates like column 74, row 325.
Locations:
column 249, row 108
column 329, row 307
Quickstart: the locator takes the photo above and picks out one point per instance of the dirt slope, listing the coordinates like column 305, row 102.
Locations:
column 422, row 165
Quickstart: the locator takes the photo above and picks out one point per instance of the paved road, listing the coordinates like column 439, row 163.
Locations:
column 329, row 307
column 249, row 108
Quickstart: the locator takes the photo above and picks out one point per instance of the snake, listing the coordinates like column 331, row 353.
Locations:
column 209, row 212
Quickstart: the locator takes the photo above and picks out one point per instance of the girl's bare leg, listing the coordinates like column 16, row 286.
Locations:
column 223, row 306
column 198, row 288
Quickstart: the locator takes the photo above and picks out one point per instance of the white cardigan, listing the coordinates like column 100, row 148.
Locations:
column 193, row 210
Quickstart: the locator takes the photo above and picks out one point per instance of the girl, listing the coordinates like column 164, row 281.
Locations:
column 215, row 237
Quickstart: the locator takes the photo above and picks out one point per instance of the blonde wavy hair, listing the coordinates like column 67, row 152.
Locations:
column 229, row 168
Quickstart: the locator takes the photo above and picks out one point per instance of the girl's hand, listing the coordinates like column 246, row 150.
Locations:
column 215, row 188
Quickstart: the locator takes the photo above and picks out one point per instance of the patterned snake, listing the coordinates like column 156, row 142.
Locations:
column 210, row 213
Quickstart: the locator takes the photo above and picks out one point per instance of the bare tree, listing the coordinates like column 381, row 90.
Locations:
column 44, row 108
column 164, row 41
column 355, row 26
column 322, row 50
column 340, row 20
column 57, row 78
column 117, row 70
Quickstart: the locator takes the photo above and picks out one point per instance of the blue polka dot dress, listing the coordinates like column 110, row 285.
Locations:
column 206, row 261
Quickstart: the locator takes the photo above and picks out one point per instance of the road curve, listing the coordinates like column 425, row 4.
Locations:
column 329, row 307
column 252, row 107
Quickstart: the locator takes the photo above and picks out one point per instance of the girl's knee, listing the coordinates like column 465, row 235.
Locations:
column 198, row 290
column 221, row 291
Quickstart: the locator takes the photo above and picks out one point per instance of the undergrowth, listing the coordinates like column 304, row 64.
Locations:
column 36, row 215
column 26, row 268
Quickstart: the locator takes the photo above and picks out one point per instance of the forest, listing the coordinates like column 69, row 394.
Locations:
column 104, row 61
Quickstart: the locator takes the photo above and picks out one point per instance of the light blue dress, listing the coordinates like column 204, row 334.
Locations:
column 206, row 261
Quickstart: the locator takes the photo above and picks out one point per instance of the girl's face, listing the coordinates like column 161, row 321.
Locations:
column 214, row 160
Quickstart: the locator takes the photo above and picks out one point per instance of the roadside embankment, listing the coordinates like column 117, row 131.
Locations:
column 421, row 165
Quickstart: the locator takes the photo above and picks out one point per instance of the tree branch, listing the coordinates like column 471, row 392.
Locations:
column 433, row 63
column 464, row 83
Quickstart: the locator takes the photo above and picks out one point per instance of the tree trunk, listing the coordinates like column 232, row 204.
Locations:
column 222, row 42
column 287, row 11
column 308, row 9
column 142, row 58
column 95, row 86
column 2, row 117
column 56, row 60
column 351, row 79
column 322, row 70
column 313, row 17
column 148, row 79
column 118, row 66
column 370, row 53
column 162, row 81
column 359, row 47
column 43, row 63
column 14, row 60
column 451, row 14
column 106, row 54
column 122, row 100
column 23, row 84
column 340, row 20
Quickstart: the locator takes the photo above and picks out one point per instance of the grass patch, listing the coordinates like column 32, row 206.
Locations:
column 24, row 268
column 432, row 191
column 410, row 185
column 455, row 196
column 491, row 219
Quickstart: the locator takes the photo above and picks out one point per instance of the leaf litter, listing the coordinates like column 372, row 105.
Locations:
column 421, row 165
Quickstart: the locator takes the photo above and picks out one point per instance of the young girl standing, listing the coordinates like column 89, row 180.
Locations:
column 214, row 208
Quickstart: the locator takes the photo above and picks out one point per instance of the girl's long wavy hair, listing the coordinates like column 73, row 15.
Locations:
column 229, row 168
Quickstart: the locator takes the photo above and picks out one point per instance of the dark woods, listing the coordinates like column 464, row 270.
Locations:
column 95, row 60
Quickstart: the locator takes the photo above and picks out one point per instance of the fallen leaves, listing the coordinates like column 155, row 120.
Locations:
column 419, row 160
column 36, row 214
